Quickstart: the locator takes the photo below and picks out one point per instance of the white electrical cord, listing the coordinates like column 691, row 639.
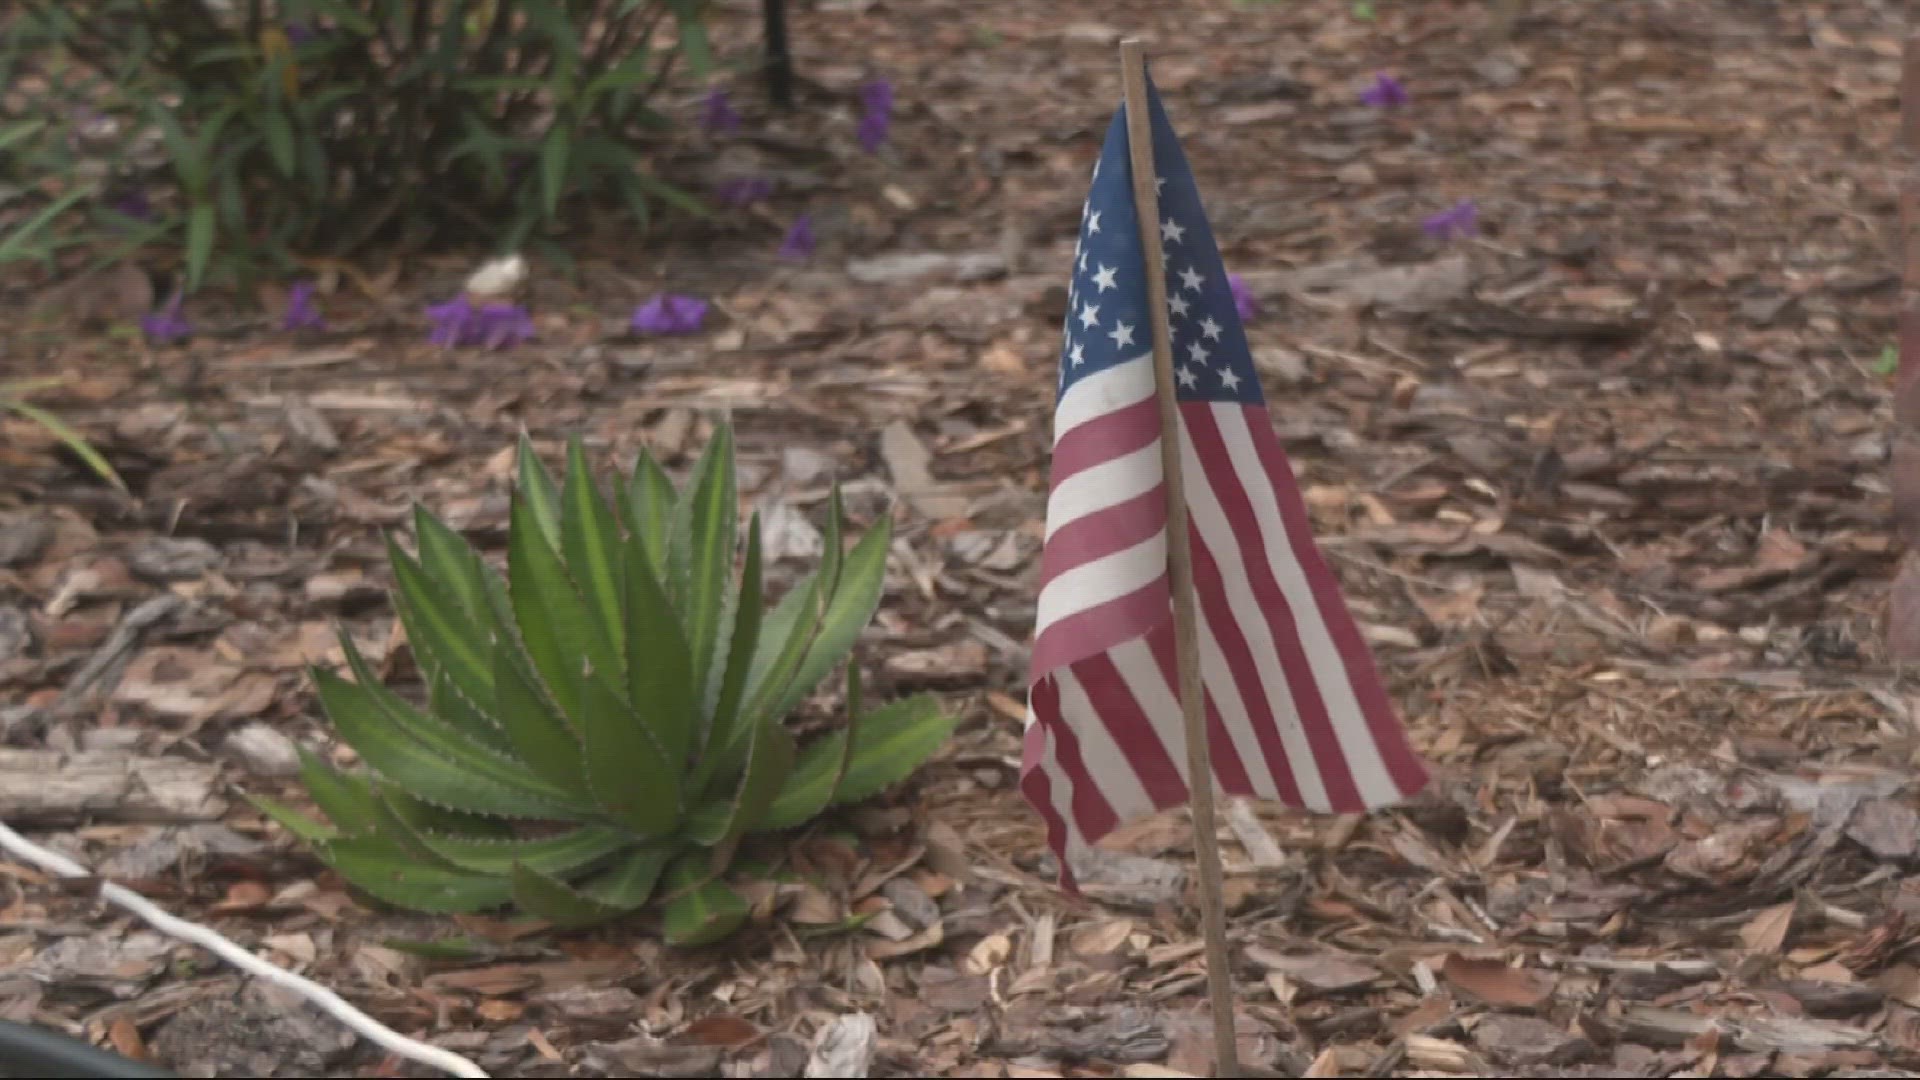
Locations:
column 327, row 1000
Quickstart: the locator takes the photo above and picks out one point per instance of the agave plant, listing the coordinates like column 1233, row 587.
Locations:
column 606, row 726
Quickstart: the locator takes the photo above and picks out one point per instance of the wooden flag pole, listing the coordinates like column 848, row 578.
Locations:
column 1186, row 627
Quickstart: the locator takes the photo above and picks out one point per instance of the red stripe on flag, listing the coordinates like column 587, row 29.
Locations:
column 1101, row 627
column 1228, row 489
column 1131, row 730
column 1035, row 780
column 1409, row 773
column 1228, row 769
column 1093, row 815
column 1108, row 436
column 1103, row 533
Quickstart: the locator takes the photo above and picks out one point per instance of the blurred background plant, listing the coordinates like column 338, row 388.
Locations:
column 13, row 399
column 234, row 138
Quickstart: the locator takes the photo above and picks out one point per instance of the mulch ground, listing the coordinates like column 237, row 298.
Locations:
column 1604, row 484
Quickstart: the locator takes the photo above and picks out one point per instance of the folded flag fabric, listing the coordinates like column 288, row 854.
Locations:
column 1295, row 711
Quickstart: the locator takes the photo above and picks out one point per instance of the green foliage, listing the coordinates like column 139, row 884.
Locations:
column 13, row 399
column 272, row 130
column 606, row 724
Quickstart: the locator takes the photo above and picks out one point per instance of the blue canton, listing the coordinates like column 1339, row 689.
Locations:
column 1107, row 301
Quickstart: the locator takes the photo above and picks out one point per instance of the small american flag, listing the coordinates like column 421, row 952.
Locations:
column 1295, row 711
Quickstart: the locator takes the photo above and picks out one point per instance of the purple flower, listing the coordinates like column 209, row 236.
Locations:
column 717, row 115
column 301, row 314
column 799, row 241
column 1243, row 301
column 489, row 326
column 166, row 325
column 745, row 190
column 1386, row 92
column 299, row 33
column 497, row 325
column 134, row 204
column 669, row 314
column 1461, row 219
column 878, row 97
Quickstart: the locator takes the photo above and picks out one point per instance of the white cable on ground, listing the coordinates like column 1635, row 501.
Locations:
column 331, row 1003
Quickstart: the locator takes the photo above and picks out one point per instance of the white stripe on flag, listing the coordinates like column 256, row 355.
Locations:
column 1141, row 672
column 1210, row 518
column 1226, row 696
column 1107, row 767
column 1109, row 483
column 1370, row 774
column 1103, row 580
column 1126, row 383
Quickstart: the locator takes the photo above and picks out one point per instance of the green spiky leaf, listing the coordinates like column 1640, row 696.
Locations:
column 591, row 540
column 348, row 801
column 534, row 727
column 425, row 756
column 629, row 883
column 700, row 911
column 888, row 744
column 554, row 623
column 537, row 490
column 770, row 758
column 817, row 774
column 631, row 777
column 447, row 639
column 823, row 621
column 559, row 854
column 700, row 553
column 449, row 560
column 650, row 499
column 659, row 668
column 723, row 726
column 549, row 898
column 295, row 822
column 892, row 741
column 390, row 873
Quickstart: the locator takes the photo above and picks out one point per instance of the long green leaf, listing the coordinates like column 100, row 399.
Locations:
column 549, row 898
column 534, row 728
column 796, row 619
column 537, row 488
column 553, row 166
column 770, row 758
column 448, row 702
column 629, row 883
column 554, row 623
column 295, row 822
column 891, row 742
column 651, row 498
column 72, row 439
column 348, row 801
column 810, row 787
column 443, row 634
column 631, row 777
column 426, row 757
column 701, row 912
column 701, row 552
column 561, row 854
column 723, row 730
column 846, row 612
column 590, row 537
column 201, row 228
column 389, row 873
column 659, row 668
column 448, row 559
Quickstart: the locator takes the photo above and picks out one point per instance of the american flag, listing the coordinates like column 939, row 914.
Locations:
column 1295, row 711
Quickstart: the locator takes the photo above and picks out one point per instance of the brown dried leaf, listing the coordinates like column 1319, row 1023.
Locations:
column 1767, row 931
column 1321, row 970
column 719, row 1029
column 1493, row 982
